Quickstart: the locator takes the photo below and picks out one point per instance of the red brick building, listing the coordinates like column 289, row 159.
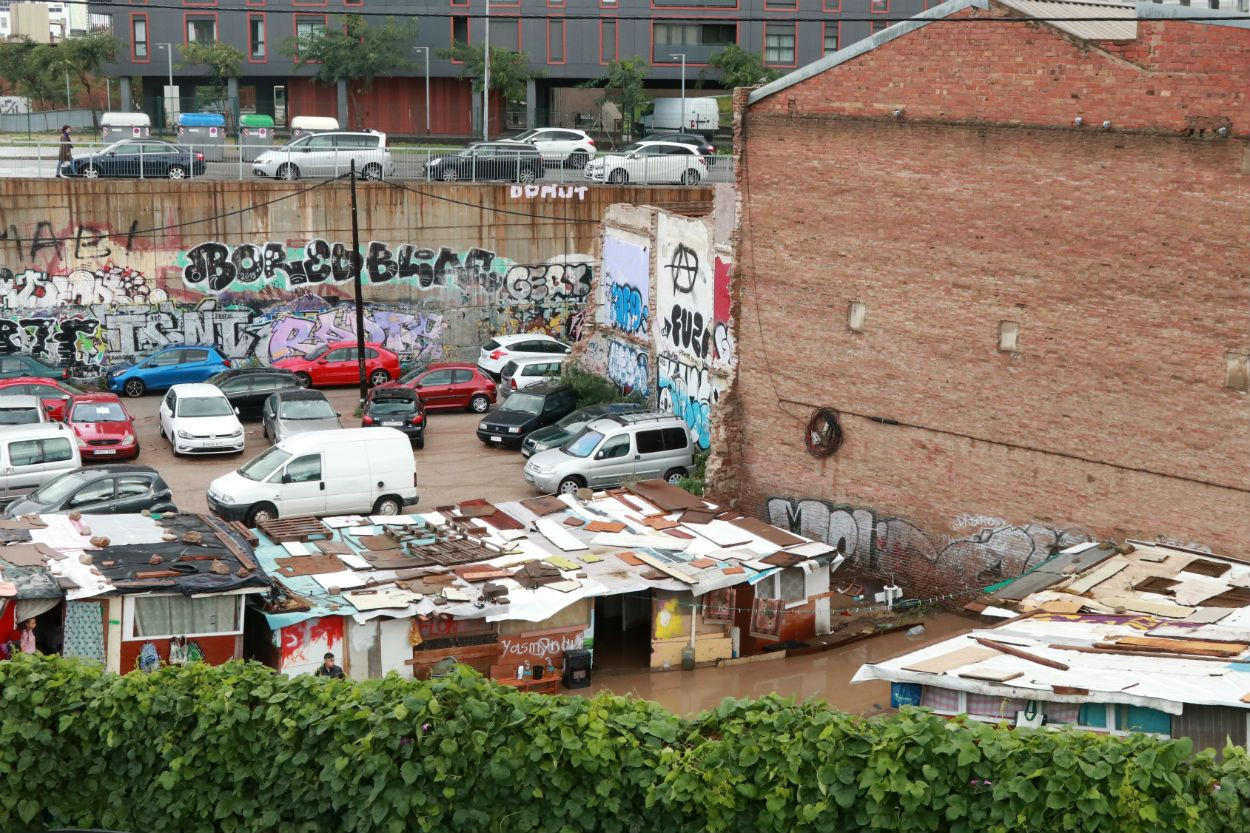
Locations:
column 1012, row 255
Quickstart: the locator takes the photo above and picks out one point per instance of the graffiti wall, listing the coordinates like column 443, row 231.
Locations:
column 626, row 287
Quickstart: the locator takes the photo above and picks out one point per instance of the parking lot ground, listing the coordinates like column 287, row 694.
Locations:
column 453, row 466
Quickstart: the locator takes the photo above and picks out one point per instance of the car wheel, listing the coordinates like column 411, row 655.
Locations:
column 388, row 505
column 304, row 379
column 378, row 377
column 578, row 160
column 261, row 512
column 674, row 475
column 372, row 171
column 134, row 388
column 91, row 172
column 449, row 175
column 690, row 177
column 570, row 484
column 176, row 172
column 479, row 404
column 526, row 175
column 288, row 172
column 618, row 177
column 420, row 442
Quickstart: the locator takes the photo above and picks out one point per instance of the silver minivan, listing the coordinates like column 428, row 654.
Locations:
column 31, row 455
column 327, row 155
column 614, row 450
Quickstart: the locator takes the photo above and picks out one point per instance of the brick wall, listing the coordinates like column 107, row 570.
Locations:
column 1122, row 257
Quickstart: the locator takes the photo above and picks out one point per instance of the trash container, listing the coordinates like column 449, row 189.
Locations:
column 205, row 133
column 117, row 126
column 577, row 668
column 304, row 125
column 255, row 136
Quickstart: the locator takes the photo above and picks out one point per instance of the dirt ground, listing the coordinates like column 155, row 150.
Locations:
column 453, row 466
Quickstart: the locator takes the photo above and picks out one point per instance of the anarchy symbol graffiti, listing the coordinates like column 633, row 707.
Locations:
column 684, row 268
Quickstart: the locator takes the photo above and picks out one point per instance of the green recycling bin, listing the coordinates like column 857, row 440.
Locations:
column 255, row 136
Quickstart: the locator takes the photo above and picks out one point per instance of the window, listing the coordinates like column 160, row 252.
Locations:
column 256, row 35
column 343, row 354
column 459, row 29
column 989, row 705
column 831, row 38
column 676, row 439
column 615, row 448
column 697, row 41
column 438, row 377
column 93, row 493
column 555, row 41
column 877, row 25
column 700, row 4
column 505, row 33
column 460, row 377
column 306, row 25
column 607, row 41
column 855, row 316
column 36, row 452
column 779, row 43
column 133, row 486
column 167, row 359
column 139, row 37
column 879, row 6
column 191, row 355
column 650, row 442
column 781, row 5
column 202, row 29
column 306, row 469
column 1008, row 336
column 163, row 616
column 792, row 584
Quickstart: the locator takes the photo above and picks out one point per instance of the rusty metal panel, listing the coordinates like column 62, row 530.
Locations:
column 1211, row 726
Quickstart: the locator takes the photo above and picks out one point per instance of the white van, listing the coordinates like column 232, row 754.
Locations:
column 701, row 115
column 307, row 125
column 31, row 455
column 347, row 471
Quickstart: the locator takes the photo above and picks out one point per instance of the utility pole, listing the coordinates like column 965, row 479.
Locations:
column 426, row 50
column 486, row 80
column 681, row 55
column 357, row 260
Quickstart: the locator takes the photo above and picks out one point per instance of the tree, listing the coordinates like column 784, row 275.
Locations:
column 223, row 61
column 28, row 68
column 510, row 72
column 738, row 68
column 624, row 80
column 85, row 56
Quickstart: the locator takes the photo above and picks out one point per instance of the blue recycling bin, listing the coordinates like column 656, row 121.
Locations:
column 204, row 132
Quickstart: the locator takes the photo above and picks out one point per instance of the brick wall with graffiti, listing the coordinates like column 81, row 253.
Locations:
column 99, row 275
column 662, row 327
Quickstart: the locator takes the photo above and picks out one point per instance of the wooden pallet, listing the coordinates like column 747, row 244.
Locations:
column 451, row 553
column 299, row 528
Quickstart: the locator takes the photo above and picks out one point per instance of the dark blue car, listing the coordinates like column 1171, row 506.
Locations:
column 150, row 158
column 164, row 367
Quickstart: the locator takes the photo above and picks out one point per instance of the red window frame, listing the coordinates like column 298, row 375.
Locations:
column 203, row 4
column 616, row 40
column 147, row 31
column 186, row 18
column 463, row 4
column 824, row 30
column 451, row 29
column 295, row 19
column 737, row 24
column 878, row 6
column 793, row 23
column 259, row 4
column 781, row 5
column 264, row 19
column 556, row 4
column 564, row 41
column 876, row 26
column 306, row 4
column 831, row 6
column 520, row 35
column 713, row 10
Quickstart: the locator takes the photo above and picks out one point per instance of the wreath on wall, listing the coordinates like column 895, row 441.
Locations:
column 824, row 433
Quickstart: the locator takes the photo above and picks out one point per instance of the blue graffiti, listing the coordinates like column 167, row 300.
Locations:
column 690, row 393
column 627, row 310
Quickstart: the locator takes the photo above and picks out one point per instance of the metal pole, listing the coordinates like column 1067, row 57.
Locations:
column 426, row 49
column 360, row 302
column 68, row 104
column 486, row 80
column 108, row 94
column 681, row 55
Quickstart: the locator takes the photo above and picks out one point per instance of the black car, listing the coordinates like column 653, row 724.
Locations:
column 149, row 158
column 557, row 435
column 114, row 488
column 524, row 411
column 399, row 408
column 13, row 365
column 705, row 147
column 248, row 388
column 484, row 161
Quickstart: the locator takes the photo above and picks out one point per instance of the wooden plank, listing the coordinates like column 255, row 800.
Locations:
column 1097, row 576
column 1183, row 646
column 1210, row 633
column 1021, row 654
column 1170, row 610
column 664, row 567
column 990, row 675
column 1063, row 606
column 1098, row 649
column 951, row 660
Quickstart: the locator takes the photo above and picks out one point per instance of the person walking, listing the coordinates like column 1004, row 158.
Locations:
column 67, row 146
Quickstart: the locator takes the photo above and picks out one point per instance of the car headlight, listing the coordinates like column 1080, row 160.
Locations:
column 541, row 446
column 435, row 161
column 238, row 432
column 221, row 498
column 537, row 469
column 516, row 429
column 129, row 439
column 184, row 435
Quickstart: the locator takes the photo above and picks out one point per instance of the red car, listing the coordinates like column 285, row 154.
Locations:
column 451, row 385
column 53, row 394
column 104, row 429
column 336, row 364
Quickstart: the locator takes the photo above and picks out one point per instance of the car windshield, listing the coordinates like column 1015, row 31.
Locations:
column 527, row 136
column 18, row 416
column 266, row 464
column 317, row 352
column 392, row 407
column 574, row 422
column 582, row 444
column 305, row 409
column 628, row 149
column 523, row 403
column 57, row 489
column 204, row 406
column 98, row 412
column 409, row 377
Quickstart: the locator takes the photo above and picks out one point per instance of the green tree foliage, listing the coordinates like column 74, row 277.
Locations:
column 85, row 56
column 238, row 748
column 624, row 83
column 593, row 389
column 29, row 69
column 222, row 60
column 510, row 71
column 737, row 68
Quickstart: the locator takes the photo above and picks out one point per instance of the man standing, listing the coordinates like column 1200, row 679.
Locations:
column 329, row 669
column 67, row 146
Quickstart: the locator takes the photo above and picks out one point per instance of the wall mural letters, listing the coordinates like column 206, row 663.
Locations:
column 629, row 367
column 626, row 284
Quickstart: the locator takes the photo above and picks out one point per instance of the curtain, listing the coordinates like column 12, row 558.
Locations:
column 182, row 616
column 30, row 608
column 84, row 631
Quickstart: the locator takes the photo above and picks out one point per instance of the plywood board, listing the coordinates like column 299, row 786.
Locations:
column 722, row 534
column 990, row 675
column 664, row 567
column 1213, row 633
column 1063, row 606
column 1097, row 576
column 628, row 541
column 559, row 535
column 1158, row 608
column 1183, row 646
column 952, row 659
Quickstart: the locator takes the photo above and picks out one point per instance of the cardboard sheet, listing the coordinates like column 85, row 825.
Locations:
column 952, row 660
column 630, row 541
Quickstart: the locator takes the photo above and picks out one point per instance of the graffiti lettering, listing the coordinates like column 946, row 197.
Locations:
column 540, row 647
column 690, row 392
column 626, row 284
column 35, row 290
column 627, row 366
column 548, row 192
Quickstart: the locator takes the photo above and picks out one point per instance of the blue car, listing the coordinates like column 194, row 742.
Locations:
column 164, row 367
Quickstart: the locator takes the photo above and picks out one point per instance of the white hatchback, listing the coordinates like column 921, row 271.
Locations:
column 199, row 419
column 650, row 163
column 556, row 144
column 502, row 349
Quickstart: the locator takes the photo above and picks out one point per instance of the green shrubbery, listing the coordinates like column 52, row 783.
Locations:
column 593, row 389
column 238, row 748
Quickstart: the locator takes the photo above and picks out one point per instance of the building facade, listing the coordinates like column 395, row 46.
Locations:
column 570, row 41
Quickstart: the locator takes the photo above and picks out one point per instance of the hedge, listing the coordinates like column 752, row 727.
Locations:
column 238, row 748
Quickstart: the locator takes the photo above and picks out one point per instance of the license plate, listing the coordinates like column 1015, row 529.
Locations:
column 496, row 439
column 392, row 424
column 103, row 451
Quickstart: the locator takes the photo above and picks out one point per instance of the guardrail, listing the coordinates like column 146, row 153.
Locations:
column 146, row 159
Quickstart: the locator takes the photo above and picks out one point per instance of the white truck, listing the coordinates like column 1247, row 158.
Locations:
column 700, row 115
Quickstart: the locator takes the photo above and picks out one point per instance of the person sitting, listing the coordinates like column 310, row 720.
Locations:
column 329, row 669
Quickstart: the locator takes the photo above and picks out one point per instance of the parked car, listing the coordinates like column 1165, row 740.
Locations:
column 557, row 435
column 52, row 394
column 521, row 373
column 560, row 146
column 501, row 349
column 396, row 407
column 31, row 455
column 451, row 385
column 694, row 139
column 486, row 161
column 164, row 367
column 24, row 364
column 525, row 411
column 103, row 427
column 326, row 155
column 198, row 419
column 247, row 388
column 22, row 410
column 612, row 450
column 149, row 158
column 100, row 490
column 321, row 473
column 337, row 364
column 649, row 163
column 290, row 412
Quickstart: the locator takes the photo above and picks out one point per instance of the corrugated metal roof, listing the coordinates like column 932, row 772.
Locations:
column 1096, row 27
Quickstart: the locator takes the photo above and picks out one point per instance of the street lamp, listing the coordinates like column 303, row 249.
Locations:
column 486, row 79
column 426, row 50
column 682, row 55
column 169, row 50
